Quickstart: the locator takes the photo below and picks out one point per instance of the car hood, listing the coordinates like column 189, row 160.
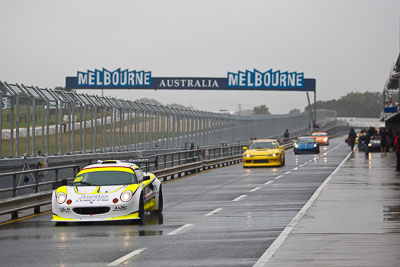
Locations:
column 261, row 151
column 97, row 189
column 310, row 145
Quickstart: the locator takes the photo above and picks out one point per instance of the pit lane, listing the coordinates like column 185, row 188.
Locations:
column 222, row 217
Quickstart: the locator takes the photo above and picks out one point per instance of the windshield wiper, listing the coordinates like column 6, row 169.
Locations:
column 84, row 183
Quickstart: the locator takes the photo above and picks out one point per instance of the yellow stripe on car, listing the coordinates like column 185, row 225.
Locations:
column 134, row 215
column 149, row 205
column 59, row 218
column 121, row 169
column 61, row 189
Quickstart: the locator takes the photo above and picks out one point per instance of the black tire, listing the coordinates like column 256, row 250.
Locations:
column 160, row 202
column 58, row 224
column 284, row 161
column 141, row 209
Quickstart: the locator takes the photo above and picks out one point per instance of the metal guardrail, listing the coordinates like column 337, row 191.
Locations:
column 35, row 174
column 36, row 199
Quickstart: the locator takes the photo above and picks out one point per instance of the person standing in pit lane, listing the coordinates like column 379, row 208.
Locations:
column 352, row 138
column 367, row 140
column 361, row 137
column 384, row 143
column 397, row 149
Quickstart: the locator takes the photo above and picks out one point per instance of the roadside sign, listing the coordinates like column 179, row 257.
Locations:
column 5, row 103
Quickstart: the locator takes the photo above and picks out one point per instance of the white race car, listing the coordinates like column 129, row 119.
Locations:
column 108, row 191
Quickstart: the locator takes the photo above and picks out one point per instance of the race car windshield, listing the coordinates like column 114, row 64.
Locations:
column 264, row 145
column 319, row 134
column 105, row 178
column 305, row 141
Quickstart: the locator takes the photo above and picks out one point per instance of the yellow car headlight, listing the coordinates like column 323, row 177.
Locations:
column 248, row 155
column 273, row 155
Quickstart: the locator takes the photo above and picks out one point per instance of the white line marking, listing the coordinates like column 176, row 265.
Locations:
column 287, row 172
column 239, row 197
column 213, row 212
column 301, row 165
column 295, row 169
column 127, row 257
column 269, row 182
column 289, row 228
column 305, row 163
column 254, row 189
column 180, row 229
column 277, row 177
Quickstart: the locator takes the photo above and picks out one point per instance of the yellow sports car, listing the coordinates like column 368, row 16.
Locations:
column 264, row 152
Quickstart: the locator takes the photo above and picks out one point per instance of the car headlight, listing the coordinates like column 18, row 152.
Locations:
column 315, row 145
column 296, row 145
column 369, row 144
column 326, row 139
column 248, row 155
column 61, row 197
column 273, row 155
column 126, row 196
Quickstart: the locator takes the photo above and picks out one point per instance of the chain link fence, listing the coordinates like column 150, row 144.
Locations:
column 36, row 121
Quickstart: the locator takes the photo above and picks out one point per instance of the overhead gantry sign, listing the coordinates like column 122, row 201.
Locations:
column 241, row 80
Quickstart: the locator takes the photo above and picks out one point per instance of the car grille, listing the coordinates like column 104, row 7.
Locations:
column 91, row 210
column 260, row 161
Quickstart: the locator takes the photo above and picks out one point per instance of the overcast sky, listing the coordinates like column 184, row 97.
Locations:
column 345, row 45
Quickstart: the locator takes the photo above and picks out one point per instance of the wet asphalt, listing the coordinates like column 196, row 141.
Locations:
column 355, row 221
column 223, row 217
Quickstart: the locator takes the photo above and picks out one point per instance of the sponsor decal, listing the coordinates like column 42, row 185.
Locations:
column 78, row 179
column 92, row 198
column 66, row 210
column 120, row 208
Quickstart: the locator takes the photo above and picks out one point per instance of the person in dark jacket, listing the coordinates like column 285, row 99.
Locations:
column 397, row 149
column 286, row 135
column 352, row 138
column 361, row 138
column 367, row 140
column 384, row 140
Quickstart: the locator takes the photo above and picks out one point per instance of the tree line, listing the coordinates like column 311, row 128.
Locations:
column 354, row 104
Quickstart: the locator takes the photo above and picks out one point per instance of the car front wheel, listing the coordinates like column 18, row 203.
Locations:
column 160, row 202
column 141, row 209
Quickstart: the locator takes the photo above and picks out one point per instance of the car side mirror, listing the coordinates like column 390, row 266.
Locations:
column 146, row 178
column 282, row 147
column 245, row 148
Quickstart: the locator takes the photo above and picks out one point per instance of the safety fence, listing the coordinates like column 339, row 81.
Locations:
column 36, row 121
